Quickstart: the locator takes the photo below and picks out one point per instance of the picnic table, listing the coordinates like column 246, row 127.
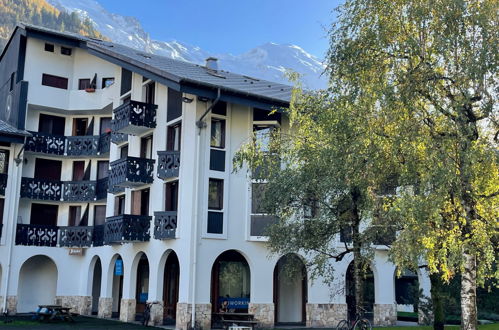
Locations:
column 240, row 319
column 54, row 312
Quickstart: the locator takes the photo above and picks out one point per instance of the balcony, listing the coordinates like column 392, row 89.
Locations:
column 118, row 138
column 127, row 228
column 78, row 236
column 134, row 118
column 36, row 235
column 131, row 172
column 98, row 235
column 3, row 183
column 74, row 146
column 63, row 191
column 168, row 164
column 165, row 224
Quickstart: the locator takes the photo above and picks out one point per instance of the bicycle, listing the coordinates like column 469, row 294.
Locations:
column 146, row 316
column 360, row 323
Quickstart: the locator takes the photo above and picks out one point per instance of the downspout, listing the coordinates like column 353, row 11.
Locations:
column 200, row 125
column 12, row 206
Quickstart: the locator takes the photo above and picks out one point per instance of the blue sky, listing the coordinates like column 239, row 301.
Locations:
column 234, row 26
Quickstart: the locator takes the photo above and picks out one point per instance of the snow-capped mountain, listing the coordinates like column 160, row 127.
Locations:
column 269, row 61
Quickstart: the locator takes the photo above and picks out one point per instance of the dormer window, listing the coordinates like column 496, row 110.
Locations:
column 49, row 48
column 66, row 51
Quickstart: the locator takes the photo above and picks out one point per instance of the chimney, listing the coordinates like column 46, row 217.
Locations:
column 211, row 63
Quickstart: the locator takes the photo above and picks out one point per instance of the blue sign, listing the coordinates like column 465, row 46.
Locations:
column 234, row 303
column 143, row 297
column 118, row 267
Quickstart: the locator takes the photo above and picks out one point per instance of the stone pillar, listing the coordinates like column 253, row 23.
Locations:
column 12, row 305
column 325, row 315
column 105, row 307
column 156, row 314
column 128, row 310
column 203, row 316
column 385, row 314
column 78, row 304
column 264, row 314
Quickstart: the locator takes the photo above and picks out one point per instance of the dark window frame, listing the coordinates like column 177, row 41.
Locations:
column 55, row 81
column 83, row 83
column 171, row 140
column 66, row 51
column 105, row 80
column 216, row 203
column 49, row 47
column 221, row 144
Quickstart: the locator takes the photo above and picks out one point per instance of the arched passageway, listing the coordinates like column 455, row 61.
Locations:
column 407, row 291
column 171, row 279
column 230, row 283
column 37, row 283
column 368, row 294
column 117, row 280
column 96, row 285
column 290, row 290
column 142, row 287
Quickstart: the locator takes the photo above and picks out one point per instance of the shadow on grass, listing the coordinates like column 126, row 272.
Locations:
column 81, row 322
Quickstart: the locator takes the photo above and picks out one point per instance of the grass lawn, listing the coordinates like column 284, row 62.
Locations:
column 86, row 323
column 494, row 326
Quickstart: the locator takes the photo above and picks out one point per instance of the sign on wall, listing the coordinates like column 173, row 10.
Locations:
column 76, row 251
column 118, row 267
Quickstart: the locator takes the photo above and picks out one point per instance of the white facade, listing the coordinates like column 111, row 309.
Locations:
column 87, row 282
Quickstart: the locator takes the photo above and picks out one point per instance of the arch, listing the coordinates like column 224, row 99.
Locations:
column 369, row 291
column 140, row 280
column 37, row 283
column 115, row 284
column 170, row 287
column 230, row 282
column 290, row 290
column 94, row 283
column 406, row 290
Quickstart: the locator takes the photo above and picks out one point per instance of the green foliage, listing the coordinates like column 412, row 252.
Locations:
column 39, row 12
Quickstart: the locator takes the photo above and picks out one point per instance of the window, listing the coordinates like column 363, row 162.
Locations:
column 99, row 215
column 140, row 202
column 44, row 214
column 171, row 196
column 220, row 108
column 4, row 161
column 146, row 147
column 105, row 125
column 119, row 205
column 124, row 151
column 262, row 137
column 260, row 219
column 215, row 194
column 74, row 216
column 126, row 81
column 150, row 90
column 78, row 170
column 217, row 133
column 83, row 84
column 106, row 82
column 49, row 48
column 174, row 105
column 66, row 51
column 173, row 138
column 54, row 81
column 80, row 126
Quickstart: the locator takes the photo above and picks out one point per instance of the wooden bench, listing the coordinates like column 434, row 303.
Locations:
column 239, row 319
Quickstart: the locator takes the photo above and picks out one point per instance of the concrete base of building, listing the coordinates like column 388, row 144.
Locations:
column 156, row 314
column 385, row 314
column 12, row 305
column 325, row 315
column 264, row 314
column 128, row 309
column 105, row 307
column 78, row 304
column 203, row 316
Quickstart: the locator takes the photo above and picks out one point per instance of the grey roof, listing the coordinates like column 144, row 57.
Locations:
column 184, row 72
column 8, row 129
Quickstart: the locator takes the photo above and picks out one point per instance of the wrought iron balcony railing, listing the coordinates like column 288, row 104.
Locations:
column 130, row 172
column 118, row 138
column 127, row 228
column 64, row 191
column 165, row 224
column 46, row 143
column 3, row 183
column 75, row 146
column 77, row 236
column 36, row 235
column 168, row 164
column 133, row 117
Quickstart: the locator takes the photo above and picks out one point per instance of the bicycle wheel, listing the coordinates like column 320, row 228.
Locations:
column 342, row 325
column 362, row 324
column 147, row 315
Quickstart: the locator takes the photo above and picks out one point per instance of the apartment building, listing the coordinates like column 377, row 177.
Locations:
column 118, row 189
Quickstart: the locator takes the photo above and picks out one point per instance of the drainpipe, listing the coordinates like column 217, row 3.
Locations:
column 200, row 124
column 12, row 208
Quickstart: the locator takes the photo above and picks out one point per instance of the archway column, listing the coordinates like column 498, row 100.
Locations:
column 156, row 293
column 128, row 303
column 105, row 309
column 385, row 306
column 262, row 294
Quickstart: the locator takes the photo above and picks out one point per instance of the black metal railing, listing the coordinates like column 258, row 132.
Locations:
column 3, row 183
column 131, row 171
column 36, row 235
column 85, row 145
column 77, row 236
column 45, row 143
column 165, row 224
column 118, row 138
column 98, row 235
column 65, row 191
column 104, row 143
column 168, row 164
column 134, row 113
column 127, row 228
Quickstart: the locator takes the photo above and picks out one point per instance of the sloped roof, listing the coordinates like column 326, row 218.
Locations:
column 180, row 71
column 8, row 129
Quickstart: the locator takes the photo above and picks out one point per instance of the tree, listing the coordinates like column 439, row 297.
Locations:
column 322, row 177
column 431, row 67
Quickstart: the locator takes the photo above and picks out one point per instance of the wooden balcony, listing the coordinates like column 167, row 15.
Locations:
column 130, row 172
column 63, row 191
column 77, row 236
column 36, row 235
column 165, row 224
column 134, row 118
column 73, row 146
column 168, row 164
column 127, row 228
